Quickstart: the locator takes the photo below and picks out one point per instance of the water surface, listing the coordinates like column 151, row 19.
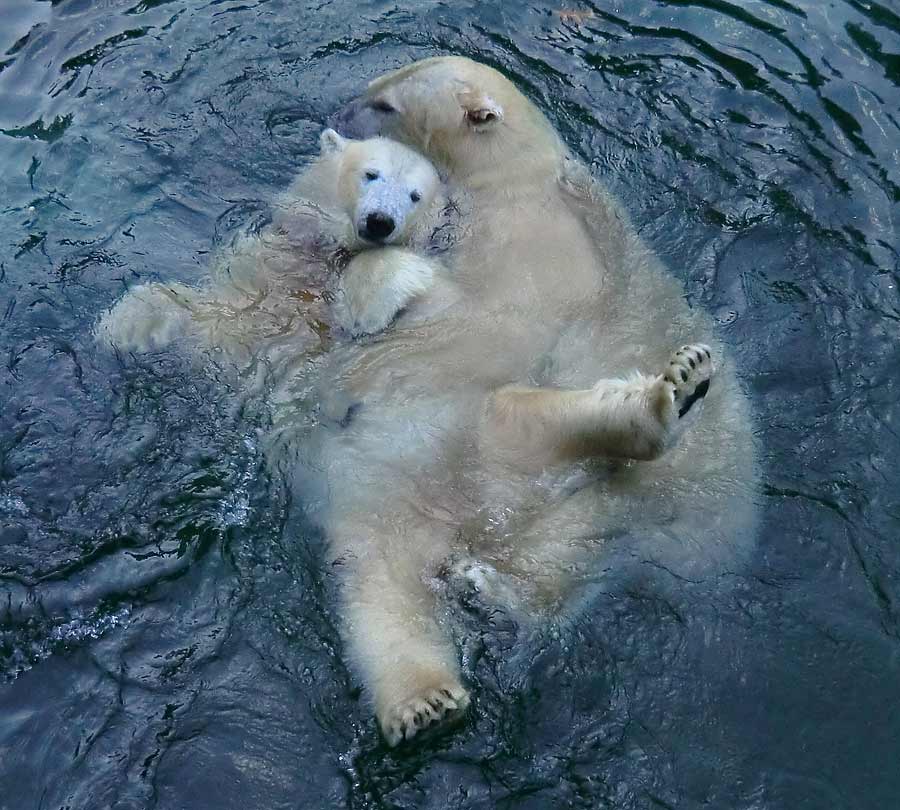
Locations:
column 166, row 633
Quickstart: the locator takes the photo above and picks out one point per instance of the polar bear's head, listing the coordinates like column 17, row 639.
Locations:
column 383, row 186
column 466, row 116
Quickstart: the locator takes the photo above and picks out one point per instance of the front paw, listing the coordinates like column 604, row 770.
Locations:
column 431, row 705
column 377, row 286
column 371, row 319
column 146, row 318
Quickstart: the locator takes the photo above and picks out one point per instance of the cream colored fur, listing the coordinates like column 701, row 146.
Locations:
column 508, row 441
column 377, row 285
column 498, row 435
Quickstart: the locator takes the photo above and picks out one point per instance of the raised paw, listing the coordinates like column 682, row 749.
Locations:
column 688, row 376
column 429, row 707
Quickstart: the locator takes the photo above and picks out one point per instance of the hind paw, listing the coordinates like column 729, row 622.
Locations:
column 431, row 706
column 466, row 577
column 688, row 375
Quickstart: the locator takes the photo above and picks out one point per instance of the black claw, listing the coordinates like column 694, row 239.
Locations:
column 699, row 393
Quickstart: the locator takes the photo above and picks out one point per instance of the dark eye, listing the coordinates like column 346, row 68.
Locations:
column 372, row 175
column 415, row 196
column 380, row 105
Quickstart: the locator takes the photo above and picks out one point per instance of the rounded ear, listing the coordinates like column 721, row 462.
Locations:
column 481, row 111
column 331, row 143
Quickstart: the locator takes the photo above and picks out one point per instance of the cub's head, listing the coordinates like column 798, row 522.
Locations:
column 383, row 186
column 464, row 115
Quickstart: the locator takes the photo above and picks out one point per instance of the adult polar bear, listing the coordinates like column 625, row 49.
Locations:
column 502, row 435
column 488, row 436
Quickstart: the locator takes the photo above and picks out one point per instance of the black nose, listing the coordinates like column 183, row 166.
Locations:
column 378, row 226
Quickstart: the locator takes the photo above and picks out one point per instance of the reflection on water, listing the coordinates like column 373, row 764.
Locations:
column 166, row 637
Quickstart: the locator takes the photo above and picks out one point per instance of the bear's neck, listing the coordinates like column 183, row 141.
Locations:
column 504, row 160
column 512, row 178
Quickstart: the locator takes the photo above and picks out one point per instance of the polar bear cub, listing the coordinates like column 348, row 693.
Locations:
column 370, row 199
column 383, row 186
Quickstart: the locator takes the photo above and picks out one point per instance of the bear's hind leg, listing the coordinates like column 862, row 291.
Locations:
column 638, row 418
column 407, row 661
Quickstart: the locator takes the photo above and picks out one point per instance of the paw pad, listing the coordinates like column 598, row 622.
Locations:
column 689, row 373
column 428, row 708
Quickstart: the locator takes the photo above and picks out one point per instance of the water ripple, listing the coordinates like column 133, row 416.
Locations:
column 167, row 631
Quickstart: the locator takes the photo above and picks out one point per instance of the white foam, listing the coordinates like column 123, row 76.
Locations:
column 235, row 510
column 12, row 504
column 28, row 652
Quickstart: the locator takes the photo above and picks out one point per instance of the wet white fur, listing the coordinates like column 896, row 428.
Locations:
column 503, row 427
column 506, row 430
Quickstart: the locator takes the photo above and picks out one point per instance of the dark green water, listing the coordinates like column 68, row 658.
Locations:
column 166, row 633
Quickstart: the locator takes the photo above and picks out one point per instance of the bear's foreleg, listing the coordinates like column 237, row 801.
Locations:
column 377, row 285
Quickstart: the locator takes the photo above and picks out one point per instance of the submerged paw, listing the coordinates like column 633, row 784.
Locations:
column 477, row 583
column 689, row 373
column 430, row 707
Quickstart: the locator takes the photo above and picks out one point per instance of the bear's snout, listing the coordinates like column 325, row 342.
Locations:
column 378, row 227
